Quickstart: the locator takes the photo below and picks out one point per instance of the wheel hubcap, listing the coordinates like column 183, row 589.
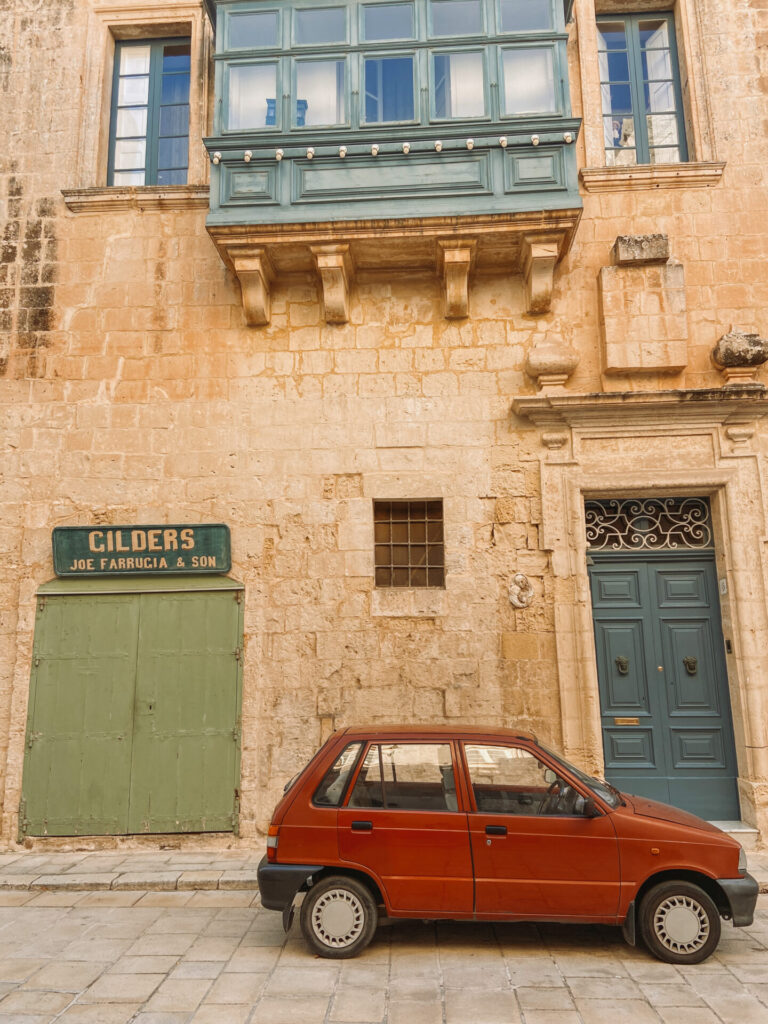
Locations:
column 681, row 924
column 338, row 918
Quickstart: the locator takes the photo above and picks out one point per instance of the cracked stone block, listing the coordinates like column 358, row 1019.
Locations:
column 635, row 250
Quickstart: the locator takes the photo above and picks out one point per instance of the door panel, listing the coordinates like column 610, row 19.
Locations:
column 675, row 743
column 421, row 857
column 184, row 750
column 545, row 867
column 78, row 757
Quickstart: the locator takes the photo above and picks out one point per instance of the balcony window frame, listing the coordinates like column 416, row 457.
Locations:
column 277, row 11
column 412, row 39
column 557, row 77
column 416, row 75
column 500, row 31
column 640, row 111
column 485, row 28
column 153, row 107
column 432, row 82
column 280, row 72
column 347, row 92
column 294, row 45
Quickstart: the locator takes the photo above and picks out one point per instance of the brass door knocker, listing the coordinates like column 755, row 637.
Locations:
column 691, row 666
column 622, row 664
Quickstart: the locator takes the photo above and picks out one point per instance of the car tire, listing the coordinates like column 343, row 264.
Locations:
column 679, row 923
column 338, row 917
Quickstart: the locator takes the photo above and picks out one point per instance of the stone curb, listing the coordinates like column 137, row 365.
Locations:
column 156, row 881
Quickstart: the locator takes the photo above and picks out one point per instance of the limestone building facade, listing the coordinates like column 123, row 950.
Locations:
column 451, row 319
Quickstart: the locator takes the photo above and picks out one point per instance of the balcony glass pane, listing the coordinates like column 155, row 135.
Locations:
column 525, row 15
column 662, row 130
column 128, row 177
column 172, row 153
column 529, row 81
column 611, row 35
column 134, row 60
column 387, row 21
column 130, row 154
column 654, row 34
column 319, row 92
column 388, row 89
column 172, row 177
column 456, row 17
column 176, row 58
column 320, row 25
column 131, row 123
column 175, row 88
column 252, row 96
column 619, row 132
column 252, row 31
column 458, row 86
column 133, row 92
column 174, row 120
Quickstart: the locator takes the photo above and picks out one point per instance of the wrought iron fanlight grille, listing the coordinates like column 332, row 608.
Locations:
column 648, row 524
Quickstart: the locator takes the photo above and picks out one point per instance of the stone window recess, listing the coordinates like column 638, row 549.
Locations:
column 640, row 90
column 173, row 157
column 408, row 543
column 149, row 124
column 648, row 524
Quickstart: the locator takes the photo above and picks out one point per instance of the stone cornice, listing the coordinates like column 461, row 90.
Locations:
column 146, row 197
column 645, row 408
column 629, row 179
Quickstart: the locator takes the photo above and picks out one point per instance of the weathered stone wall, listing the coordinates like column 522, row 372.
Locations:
column 131, row 391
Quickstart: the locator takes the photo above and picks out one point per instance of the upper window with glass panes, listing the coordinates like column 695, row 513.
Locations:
column 294, row 66
column 149, row 128
column 640, row 85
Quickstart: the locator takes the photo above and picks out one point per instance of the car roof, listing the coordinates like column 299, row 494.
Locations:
column 444, row 731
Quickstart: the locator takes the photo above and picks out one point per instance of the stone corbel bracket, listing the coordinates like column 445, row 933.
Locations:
column 335, row 267
column 455, row 257
column 539, row 255
column 255, row 273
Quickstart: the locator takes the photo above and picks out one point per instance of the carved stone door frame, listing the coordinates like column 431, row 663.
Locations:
column 659, row 444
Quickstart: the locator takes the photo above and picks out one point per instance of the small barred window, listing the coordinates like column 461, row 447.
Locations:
column 408, row 539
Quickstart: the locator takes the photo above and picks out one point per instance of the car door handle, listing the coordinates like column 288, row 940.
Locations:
column 495, row 830
column 362, row 826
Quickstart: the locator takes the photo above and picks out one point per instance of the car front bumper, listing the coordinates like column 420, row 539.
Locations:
column 741, row 894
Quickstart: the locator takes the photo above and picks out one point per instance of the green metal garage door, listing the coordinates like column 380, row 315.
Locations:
column 134, row 708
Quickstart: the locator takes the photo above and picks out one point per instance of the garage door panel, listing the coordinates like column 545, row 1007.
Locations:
column 134, row 711
column 185, row 740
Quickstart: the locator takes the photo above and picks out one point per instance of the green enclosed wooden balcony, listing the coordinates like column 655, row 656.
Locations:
column 395, row 134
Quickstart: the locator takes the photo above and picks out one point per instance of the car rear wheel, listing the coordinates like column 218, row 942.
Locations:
column 338, row 917
column 679, row 923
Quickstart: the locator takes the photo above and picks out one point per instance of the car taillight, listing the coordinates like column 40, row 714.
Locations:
column 272, row 842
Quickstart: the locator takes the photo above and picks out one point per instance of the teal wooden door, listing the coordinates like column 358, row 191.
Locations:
column 134, row 714
column 665, row 707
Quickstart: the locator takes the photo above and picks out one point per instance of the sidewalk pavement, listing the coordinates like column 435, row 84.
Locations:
column 217, row 957
column 149, row 871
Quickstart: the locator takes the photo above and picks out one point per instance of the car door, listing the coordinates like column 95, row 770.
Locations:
column 536, row 853
column 402, row 823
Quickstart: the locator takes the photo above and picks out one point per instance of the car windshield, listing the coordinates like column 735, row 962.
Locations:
column 599, row 787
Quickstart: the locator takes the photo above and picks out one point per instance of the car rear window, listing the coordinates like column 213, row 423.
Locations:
column 330, row 792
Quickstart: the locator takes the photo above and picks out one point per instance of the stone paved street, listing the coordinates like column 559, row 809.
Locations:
column 215, row 957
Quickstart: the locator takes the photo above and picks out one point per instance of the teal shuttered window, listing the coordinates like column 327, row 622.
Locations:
column 149, row 128
column 640, row 85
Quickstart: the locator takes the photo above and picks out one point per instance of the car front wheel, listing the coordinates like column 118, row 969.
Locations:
column 338, row 917
column 679, row 923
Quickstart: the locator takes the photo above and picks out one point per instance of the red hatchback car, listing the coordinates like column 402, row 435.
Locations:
column 483, row 824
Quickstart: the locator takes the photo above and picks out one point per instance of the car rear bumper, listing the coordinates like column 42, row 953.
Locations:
column 279, row 883
column 741, row 894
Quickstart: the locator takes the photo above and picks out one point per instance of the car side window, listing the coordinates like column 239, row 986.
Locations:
column 331, row 790
column 406, row 776
column 510, row 780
